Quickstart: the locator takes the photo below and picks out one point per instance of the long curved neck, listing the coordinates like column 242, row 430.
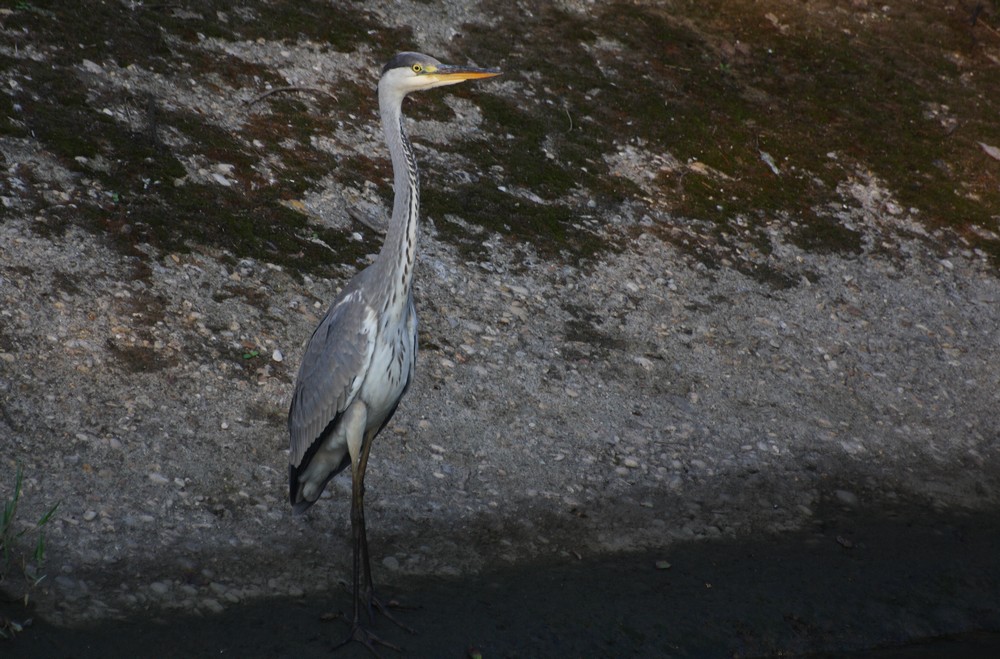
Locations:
column 396, row 259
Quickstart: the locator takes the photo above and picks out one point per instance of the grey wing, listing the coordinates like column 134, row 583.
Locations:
column 333, row 369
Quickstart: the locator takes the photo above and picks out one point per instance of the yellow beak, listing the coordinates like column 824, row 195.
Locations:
column 448, row 74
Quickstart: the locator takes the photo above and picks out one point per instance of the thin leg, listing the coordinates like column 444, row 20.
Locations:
column 372, row 603
column 361, row 561
column 361, row 549
column 359, row 533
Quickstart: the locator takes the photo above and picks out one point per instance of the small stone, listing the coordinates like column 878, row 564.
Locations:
column 91, row 67
column 277, row 356
column 89, row 516
column 391, row 563
column 159, row 587
column 644, row 362
column 212, row 605
column 846, row 498
column 631, row 463
column 158, row 478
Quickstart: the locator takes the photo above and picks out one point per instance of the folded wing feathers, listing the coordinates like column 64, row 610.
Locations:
column 332, row 371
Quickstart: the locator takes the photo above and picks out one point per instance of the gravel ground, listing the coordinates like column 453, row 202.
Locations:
column 563, row 411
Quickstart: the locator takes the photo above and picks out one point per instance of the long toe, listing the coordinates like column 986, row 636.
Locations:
column 383, row 608
column 364, row 636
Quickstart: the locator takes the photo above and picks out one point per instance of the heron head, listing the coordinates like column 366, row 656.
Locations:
column 409, row 72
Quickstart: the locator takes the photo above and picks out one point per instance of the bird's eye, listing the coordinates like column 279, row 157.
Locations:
column 417, row 68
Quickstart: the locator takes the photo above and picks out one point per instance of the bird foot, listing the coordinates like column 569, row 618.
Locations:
column 368, row 639
column 383, row 608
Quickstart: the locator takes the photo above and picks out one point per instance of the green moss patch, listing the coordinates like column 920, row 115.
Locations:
column 823, row 93
column 768, row 107
column 144, row 195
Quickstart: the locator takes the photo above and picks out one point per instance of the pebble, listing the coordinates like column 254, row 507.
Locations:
column 644, row 362
column 89, row 516
column 65, row 583
column 212, row 605
column 159, row 587
column 91, row 67
column 277, row 356
column 158, row 478
column 846, row 498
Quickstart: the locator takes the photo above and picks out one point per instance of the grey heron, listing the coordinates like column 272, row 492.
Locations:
column 359, row 361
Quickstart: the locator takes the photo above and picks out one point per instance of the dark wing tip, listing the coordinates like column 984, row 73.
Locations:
column 301, row 507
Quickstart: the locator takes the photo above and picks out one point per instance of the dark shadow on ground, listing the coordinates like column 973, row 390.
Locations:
column 913, row 582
